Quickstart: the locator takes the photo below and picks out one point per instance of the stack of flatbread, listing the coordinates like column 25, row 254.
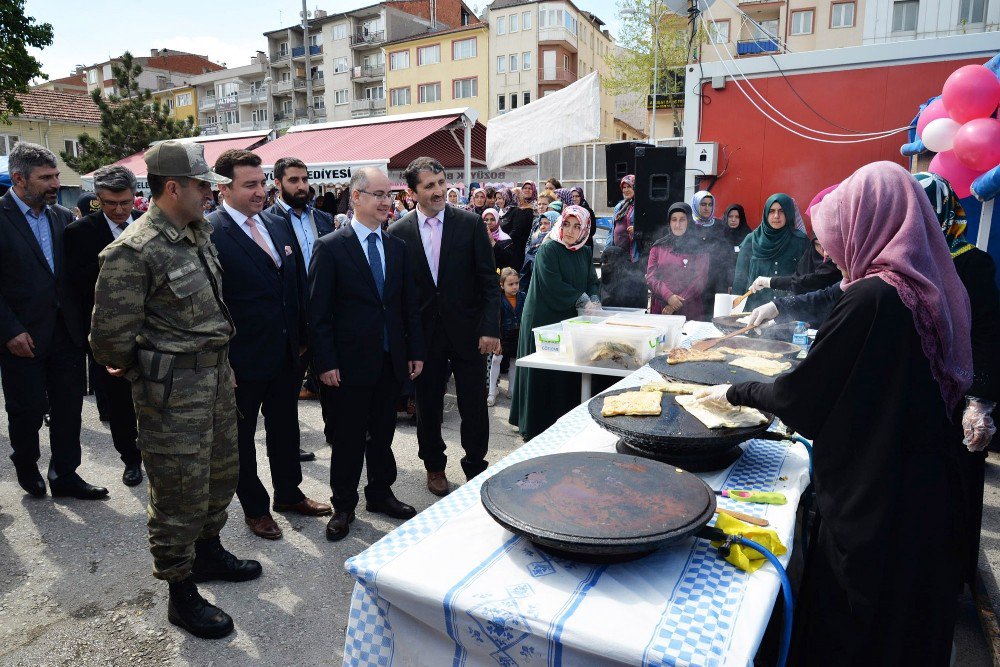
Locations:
column 632, row 403
column 713, row 417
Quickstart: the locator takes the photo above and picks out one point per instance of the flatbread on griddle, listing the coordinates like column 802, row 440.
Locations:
column 680, row 355
column 632, row 403
column 767, row 367
column 713, row 417
column 743, row 352
column 672, row 387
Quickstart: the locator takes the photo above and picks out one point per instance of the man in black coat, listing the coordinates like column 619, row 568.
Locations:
column 84, row 240
column 41, row 364
column 365, row 329
column 459, row 296
column 264, row 296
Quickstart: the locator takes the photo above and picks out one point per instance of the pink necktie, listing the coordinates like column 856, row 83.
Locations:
column 259, row 239
column 435, row 246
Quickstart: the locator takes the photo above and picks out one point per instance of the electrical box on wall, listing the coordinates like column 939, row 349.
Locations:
column 706, row 158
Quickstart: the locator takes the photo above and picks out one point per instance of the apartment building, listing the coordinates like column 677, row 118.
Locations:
column 538, row 48
column 899, row 20
column 236, row 99
column 441, row 70
column 181, row 102
column 74, row 83
column 161, row 69
column 334, row 69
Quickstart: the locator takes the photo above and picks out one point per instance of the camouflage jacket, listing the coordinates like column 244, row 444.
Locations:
column 159, row 288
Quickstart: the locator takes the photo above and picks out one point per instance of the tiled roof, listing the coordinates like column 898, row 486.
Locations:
column 53, row 105
column 183, row 64
column 73, row 79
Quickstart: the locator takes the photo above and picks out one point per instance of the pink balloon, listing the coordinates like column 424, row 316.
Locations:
column 947, row 166
column 977, row 144
column 931, row 112
column 971, row 92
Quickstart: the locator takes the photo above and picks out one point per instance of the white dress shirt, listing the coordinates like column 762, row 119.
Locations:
column 116, row 231
column 241, row 221
column 362, row 233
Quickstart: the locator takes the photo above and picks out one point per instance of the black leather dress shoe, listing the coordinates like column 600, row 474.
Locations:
column 391, row 506
column 75, row 487
column 306, row 456
column 132, row 475
column 31, row 481
column 338, row 526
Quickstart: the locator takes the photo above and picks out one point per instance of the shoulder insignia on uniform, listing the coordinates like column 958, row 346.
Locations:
column 140, row 236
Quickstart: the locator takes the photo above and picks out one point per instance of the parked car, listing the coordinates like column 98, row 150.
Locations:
column 601, row 235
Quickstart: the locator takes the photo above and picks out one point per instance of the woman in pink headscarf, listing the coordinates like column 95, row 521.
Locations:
column 880, row 393
column 502, row 247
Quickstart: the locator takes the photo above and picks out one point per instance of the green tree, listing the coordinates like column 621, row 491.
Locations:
column 17, row 68
column 631, row 65
column 130, row 120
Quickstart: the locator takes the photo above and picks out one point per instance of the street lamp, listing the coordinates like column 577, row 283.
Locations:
column 656, row 13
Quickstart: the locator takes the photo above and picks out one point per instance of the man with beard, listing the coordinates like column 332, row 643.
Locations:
column 306, row 224
column 42, row 361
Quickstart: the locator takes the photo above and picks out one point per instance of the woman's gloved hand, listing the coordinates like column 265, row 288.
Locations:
column 977, row 423
column 762, row 282
column 764, row 313
column 714, row 397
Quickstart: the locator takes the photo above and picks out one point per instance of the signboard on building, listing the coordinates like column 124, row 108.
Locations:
column 482, row 175
column 332, row 173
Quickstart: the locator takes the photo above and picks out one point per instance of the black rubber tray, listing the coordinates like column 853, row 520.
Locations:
column 713, row 372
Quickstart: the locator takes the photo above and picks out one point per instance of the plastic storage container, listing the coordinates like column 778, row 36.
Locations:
column 670, row 325
column 610, row 346
column 608, row 311
column 552, row 341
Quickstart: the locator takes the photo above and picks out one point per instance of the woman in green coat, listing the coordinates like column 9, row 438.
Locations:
column 773, row 249
column 562, row 279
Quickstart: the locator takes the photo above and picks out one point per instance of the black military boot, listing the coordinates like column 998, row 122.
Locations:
column 188, row 610
column 213, row 562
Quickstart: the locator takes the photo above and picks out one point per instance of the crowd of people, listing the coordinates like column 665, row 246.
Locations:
column 193, row 324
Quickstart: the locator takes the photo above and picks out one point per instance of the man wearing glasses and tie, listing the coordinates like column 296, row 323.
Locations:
column 85, row 239
column 364, row 326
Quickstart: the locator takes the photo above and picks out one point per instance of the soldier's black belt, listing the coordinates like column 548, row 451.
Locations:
column 200, row 360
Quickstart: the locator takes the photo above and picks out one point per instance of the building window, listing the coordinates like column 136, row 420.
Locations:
column 399, row 97
column 170, row 103
column 429, row 92
column 286, row 105
column 285, row 78
column 316, row 40
column 339, row 97
column 527, row 97
column 183, row 100
column 71, row 147
column 259, row 115
column 566, row 62
column 464, row 88
column 399, row 60
column 904, row 15
column 463, row 48
column 802, row 22
column 283, row 49
column 501, row 103
column 429, row 55
column 526, row 21
column 766, row 29
column 339, row 65
column 512, row 22
column 569, row 22
column 319, row 102
column 92, row 76
column 340, row 31
column 513, row 62
column 719, row 31
column 501, row 64
column 374, row 93
column 842, row 15
column 972, row 11
column 526, row 60
column 502, row 25
column 513, row 101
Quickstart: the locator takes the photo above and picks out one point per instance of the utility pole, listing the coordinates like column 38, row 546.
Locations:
column 309, row 83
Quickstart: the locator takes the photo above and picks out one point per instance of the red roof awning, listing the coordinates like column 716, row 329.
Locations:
column 214, row 147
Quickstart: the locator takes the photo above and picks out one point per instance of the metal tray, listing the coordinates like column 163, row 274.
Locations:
column 598, row 506
column 713, row 372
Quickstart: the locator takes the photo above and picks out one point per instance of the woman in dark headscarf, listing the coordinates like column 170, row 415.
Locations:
column 516, row 220
column 577, row 198
column 529, row 193
column 879, row 393
column 735, row 229
column 623, row 228
column 678, row 268
column 477, row 203
column 773, row 249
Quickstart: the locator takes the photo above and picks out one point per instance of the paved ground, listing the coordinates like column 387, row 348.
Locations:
column 76, row 589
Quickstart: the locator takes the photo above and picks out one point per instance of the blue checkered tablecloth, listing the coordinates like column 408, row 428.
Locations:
column 451, row 586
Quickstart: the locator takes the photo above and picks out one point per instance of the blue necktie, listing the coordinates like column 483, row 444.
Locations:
column 375, row 262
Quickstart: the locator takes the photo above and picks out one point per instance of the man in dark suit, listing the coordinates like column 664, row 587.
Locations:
column 366, row 336
column 84, row 240
column 306, row 224
column 41, row 364
column 456, row 281
column 264, row 296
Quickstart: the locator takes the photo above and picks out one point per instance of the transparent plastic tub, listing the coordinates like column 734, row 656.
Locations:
column 552, row 341
column 609, row 346
column 670, row 325
column 609, row 311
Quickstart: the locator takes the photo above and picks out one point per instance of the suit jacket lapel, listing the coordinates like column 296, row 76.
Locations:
column 447, row 236
column 104, row 234
column 249, row 246
column 20, row 223
column 55, row 231
column 277, row 239
column 361, row 260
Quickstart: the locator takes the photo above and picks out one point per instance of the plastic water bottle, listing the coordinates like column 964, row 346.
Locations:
column 800, row 336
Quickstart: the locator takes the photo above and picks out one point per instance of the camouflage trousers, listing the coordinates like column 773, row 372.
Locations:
column 187, row 436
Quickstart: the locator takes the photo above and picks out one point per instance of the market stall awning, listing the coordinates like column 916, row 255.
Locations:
column 215, row 145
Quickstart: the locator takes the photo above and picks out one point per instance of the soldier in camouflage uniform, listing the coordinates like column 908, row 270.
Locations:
column 159, row 320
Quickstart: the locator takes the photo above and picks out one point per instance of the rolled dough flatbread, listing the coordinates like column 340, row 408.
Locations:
column 712, row 417
column 632, row 403
column 763, row 354
column 767, row 367
column 672, row 387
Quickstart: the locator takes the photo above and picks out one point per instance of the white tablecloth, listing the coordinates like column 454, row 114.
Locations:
column 451, row 586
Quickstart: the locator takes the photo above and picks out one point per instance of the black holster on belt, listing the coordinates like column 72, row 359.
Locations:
column 157, row 375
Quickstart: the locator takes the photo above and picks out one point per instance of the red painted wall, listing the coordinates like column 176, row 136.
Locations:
column 766, row 158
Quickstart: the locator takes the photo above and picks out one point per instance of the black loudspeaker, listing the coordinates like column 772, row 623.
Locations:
column 619, row 160
column 659, row 182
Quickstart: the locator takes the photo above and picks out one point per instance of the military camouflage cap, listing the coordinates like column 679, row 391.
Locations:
column 176, row 158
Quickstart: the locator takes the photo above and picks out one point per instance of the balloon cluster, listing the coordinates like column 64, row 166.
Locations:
column 959, row 126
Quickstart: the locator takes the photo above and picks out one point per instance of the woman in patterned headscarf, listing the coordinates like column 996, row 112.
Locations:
column 579, row 199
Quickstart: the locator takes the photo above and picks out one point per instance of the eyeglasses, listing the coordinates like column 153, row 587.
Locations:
column 127, row 204
column 381, row 196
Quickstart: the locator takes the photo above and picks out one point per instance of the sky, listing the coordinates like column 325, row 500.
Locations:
column 227, row 32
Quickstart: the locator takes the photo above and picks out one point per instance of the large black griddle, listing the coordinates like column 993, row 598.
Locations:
column 676, row 436
column 598, row 506
column 715, row 372
column 729, row 323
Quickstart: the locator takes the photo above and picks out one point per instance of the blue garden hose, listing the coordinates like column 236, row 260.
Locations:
column 809, row 450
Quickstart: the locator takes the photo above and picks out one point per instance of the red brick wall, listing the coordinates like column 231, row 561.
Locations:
column 449, row 12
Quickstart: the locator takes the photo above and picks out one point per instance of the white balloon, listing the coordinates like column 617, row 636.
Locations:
column 939, row 134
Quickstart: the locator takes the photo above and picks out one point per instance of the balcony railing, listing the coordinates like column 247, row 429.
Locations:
column 282, row 86
column 368, row 72
column 750, row 47
column 300, row 51
column 368, row 39
column 319, row 81
column 557, row 33
column 207, row 102
column 279, row 57
column 253, row 96
column 361, row 106
column 300, row 82
column 556, row 75
column 319, row 113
